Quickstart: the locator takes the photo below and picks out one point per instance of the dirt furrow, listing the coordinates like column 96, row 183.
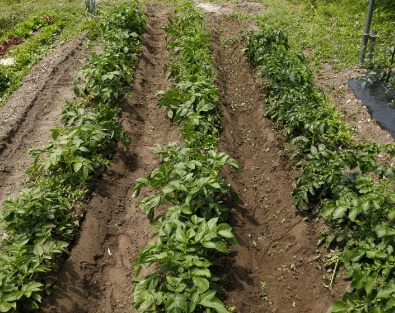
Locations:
column 273, row 269
column 97, row 276
column 33, row 109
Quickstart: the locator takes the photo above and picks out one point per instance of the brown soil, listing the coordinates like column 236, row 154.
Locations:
column 277, row 266
column 32, row 110
column 97, row 276
column 272, row 269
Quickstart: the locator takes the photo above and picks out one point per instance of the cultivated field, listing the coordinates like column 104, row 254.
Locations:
column 180, row 157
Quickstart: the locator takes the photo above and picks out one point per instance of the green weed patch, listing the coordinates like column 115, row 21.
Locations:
column 35, row 47
column 331, row 31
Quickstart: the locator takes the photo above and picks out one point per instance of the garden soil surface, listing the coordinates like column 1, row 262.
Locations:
column 276, row 267
column 32, row 110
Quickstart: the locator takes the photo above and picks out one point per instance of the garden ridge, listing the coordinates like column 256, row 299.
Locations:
column 262, row 237
column 96, row 278
column 272, row 269
column 33, row 109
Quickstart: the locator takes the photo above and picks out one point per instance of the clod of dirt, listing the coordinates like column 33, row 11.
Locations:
column 11, row 41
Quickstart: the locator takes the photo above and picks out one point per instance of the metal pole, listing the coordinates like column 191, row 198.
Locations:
column 373, row 37
column 366, row 30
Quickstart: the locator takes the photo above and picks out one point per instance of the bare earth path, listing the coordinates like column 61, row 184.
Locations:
column 97, row 276
column 272, row 270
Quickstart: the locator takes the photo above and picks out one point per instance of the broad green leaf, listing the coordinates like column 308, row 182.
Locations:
column 149, row 203
column 212, row 223
column 377, row 309
column 146, row 300
column 209, row 244
column 226, row 234
column 339, row 212
column 354, row 255
column 38, row 250
column 55, row 134
column 215, row 185
column 351, row 299
column 180, row 235
column 143, row 181
column 358, row 280
column 390, row 306
column 313, row 150
column 221, row 246
column 186, row 210
column 381, row 230
column 176, row 301
column 224, row 226
column 391, row 215
column 338, row 307
column 387, row 290
column 201, row 283
column 370, row 280
column 77, row 166
column 31, row 287
column 5, row 306
column 190, row 165
column 202, row 262
column 327, row 211
column 353, row 213
column 167, row 189
column 390, row 173
column 203, row 272
column 209, row 300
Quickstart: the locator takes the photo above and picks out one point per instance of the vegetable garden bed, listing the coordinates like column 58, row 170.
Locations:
column 188, row 265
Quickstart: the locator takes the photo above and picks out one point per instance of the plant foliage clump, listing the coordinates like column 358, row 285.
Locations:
column 40, row 222
column 192, row 236
column 291, row 96
column 350, row 186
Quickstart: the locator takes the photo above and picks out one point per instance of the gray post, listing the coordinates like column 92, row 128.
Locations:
column 366, row 31
column 373, row 37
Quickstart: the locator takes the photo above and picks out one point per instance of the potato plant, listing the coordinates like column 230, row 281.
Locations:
column 350, row 186
column 192, row 235
column 291, row 96
column 40, row 222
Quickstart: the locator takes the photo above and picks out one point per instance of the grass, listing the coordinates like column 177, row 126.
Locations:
column 329, row 31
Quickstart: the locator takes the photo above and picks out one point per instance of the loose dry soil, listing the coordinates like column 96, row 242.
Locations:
column 277, row 266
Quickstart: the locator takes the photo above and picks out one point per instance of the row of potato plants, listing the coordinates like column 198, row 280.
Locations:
column 192, row 236
column 40, row 222
column 350, row 185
